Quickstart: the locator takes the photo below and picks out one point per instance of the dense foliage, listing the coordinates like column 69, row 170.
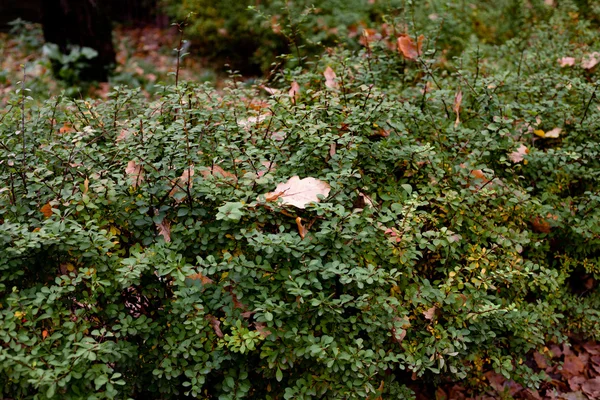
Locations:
column 141, row 255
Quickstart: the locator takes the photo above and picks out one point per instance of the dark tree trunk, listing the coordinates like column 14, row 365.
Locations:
column 81, row 23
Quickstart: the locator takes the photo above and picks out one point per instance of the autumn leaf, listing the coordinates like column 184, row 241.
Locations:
column 590, row 60
column 261, row 328
column 299, row 192
column 302, row 230
column 294, row 91
column 566, row 61
column 44, row 334
column 46, row 210
column 330, row 78
column 408, row 48
column 251, row 121
column 216, row 325
column 457, row 101
column 430, row 313
column 66, row 128
column 86, row 185
column 217, row 171
column 518, row 155
column 184, row 181
column 135, row 172
column 202, row 278
column 164, row 230
column 551, row 134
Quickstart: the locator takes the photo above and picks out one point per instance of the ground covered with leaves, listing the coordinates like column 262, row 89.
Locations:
column 414, row 215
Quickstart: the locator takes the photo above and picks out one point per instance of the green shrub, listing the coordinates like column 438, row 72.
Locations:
column 141, row 255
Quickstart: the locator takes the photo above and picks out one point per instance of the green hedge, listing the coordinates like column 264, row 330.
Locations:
column 144, row 253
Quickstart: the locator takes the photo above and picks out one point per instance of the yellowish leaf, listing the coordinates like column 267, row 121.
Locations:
column 540, row 133
column 302, row 230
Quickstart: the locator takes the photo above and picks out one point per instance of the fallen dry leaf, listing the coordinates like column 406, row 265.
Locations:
column 302, row 230
column 572, row 366
column 294, row 91
column 457, row 101
column 261, row 328
column 330, row 78
column 216, row 325
column 46, row 210
column 517, row 156
column 299, row 192
column 590, row 60
column 135, row 172
column 164, row 229
column 429, row 314
column 554, row 133
column 408, row 48
column 566, row 61
column 202, row 278
column 591, row 388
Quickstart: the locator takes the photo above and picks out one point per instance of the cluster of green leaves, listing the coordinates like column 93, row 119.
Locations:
column 140, row 255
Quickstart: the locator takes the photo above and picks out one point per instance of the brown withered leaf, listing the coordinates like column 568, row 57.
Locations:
column 430, row 313
column 566, row 61
column 572, row 366
column 46, row 210
column 184, row 181
column 216, row 325
column 261, row 328
column 408, row 48
column 456, row 108
column 330, row 78
column 202, row 278
column 540, row 360
column 164, row 230
column 540, row 225
column 135, row 172
column 302, row 230
column 217, row 171
column 591, row 388
column 590, row 60
column 518, row 155
column 299, row 192
column 294, row 91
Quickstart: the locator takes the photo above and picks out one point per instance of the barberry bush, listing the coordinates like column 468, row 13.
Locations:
column 372, row 219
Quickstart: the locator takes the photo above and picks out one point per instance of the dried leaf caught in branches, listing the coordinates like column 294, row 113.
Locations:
column 408, row 48
column 299, row 192
column 135, row 172
column 330, row 78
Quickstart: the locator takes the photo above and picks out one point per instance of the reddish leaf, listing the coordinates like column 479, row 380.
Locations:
column 199, row 277
column 572, row 366
column 299, row 192
column 566, row 61
column 518, row 155
column 408, row 48
column 46, row 210
column 430, row 313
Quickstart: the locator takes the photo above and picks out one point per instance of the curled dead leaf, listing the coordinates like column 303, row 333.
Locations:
column 216, row 325
column 302, row 230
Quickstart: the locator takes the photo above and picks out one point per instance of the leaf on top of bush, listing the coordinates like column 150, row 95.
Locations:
column 518, row 155
column 299, row 192
column 590, row 60
column 566, row 61
column 408, row 48
column 330, row 78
